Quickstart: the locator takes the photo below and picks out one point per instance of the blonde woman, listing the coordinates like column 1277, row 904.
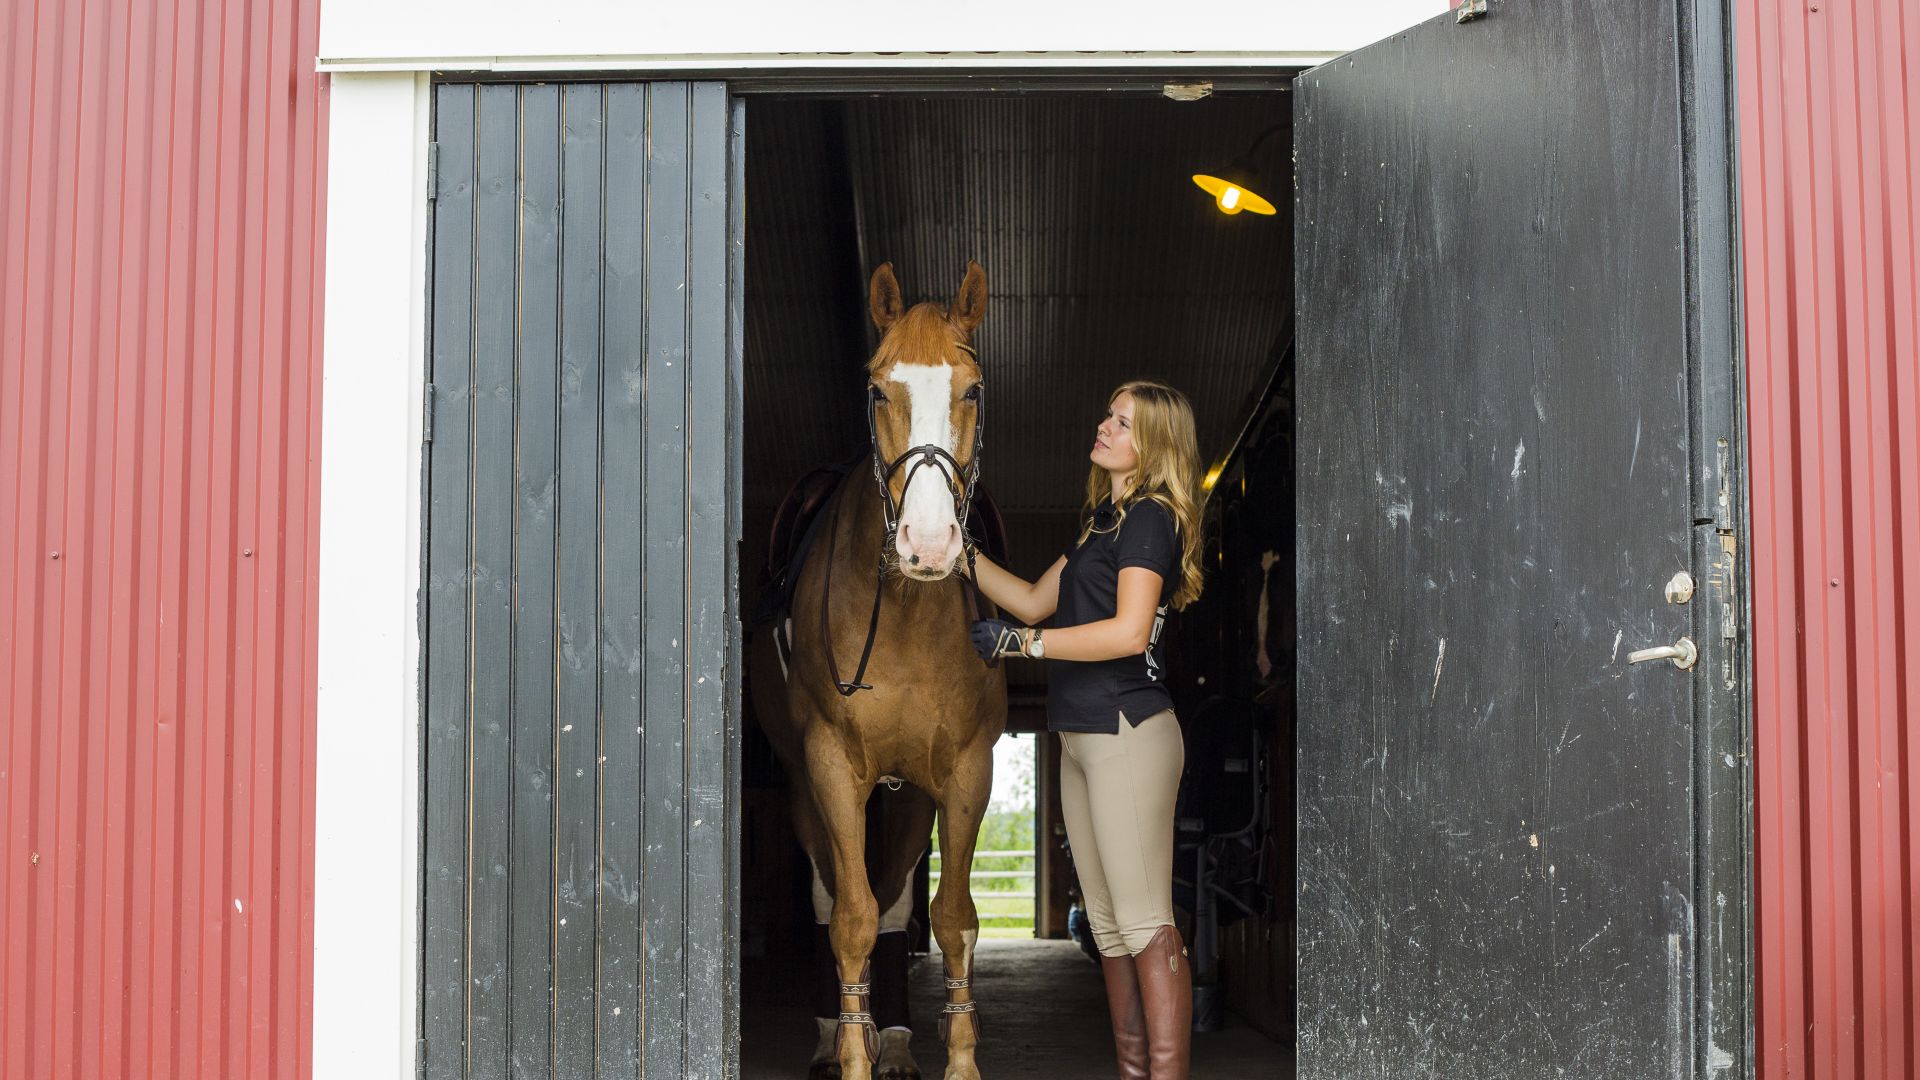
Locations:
column 1137, row 555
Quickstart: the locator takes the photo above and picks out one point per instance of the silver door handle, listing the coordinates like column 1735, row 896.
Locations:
column 1683, row 653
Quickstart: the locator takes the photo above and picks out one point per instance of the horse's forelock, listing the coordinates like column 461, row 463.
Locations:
column 924, row 335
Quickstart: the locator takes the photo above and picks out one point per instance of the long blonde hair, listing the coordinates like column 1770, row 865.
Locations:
column 1164, row 437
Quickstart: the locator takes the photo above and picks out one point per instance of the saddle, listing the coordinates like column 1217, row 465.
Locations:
column 797, row 524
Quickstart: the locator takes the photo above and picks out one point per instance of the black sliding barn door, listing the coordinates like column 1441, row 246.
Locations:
column 579, row 741
column 1501, row 863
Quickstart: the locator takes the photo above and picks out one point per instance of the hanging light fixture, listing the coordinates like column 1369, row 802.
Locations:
column 1234, row 189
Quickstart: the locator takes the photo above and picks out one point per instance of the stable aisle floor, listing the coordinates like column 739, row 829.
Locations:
column 1045, row 1012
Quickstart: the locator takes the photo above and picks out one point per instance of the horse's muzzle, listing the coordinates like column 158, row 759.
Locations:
column 928, row 554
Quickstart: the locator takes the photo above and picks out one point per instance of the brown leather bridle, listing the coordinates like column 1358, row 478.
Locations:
column 960, row 484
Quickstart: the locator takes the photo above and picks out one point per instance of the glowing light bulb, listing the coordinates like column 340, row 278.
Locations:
column 1230, row 197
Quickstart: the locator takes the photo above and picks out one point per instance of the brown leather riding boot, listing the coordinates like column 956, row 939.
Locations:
column 1129, row 1022
column 1166, row 997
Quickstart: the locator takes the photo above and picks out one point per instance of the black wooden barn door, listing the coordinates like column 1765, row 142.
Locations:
column 1504, row 857
column 579, row 735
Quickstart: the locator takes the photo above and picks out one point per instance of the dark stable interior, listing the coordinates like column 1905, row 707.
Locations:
column 1104, row 262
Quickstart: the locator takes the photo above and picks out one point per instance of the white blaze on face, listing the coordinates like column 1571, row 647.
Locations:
column 928, row 528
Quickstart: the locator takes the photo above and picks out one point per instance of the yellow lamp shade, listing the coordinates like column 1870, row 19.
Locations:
column 1231, row 197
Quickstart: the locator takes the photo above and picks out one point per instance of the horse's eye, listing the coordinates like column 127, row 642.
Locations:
column 973, row 392
column 879, row 397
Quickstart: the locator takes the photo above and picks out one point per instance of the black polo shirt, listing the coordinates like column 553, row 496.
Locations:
column 1089, row 696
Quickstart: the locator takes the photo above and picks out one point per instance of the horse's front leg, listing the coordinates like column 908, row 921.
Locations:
column 956, row 923
column 908, row 814
column 841, row 798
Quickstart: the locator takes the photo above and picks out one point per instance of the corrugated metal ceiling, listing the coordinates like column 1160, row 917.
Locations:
column 1104, row 263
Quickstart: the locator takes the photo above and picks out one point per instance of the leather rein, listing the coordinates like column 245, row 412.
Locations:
column 960, row 484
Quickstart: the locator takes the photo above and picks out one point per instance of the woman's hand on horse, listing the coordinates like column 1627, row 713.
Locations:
column 996, row 637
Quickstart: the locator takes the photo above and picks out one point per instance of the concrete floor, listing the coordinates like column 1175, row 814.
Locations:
column 1044, row 1013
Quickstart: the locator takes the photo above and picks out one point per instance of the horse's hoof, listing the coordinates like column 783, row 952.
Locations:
column 824, row 1070
column 899, row 1072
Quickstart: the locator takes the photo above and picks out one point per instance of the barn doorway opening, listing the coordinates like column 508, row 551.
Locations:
column 1105, row 262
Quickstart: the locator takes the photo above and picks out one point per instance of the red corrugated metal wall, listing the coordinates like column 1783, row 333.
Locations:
column 1829, row 101
column 159, row 389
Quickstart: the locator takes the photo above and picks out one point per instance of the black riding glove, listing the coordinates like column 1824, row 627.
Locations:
column 993, row 638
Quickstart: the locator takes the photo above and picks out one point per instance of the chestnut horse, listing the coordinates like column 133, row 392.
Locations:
column 879, row 600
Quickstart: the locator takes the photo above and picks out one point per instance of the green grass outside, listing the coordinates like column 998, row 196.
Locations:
column 1003, row 917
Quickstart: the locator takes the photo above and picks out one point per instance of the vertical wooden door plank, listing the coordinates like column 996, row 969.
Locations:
column 444, row 787
column 708, row 921
column 492, row 555
column 664, row 544
column 577, row 742
column 623, row 326
column 536, row 484
column 735, row 473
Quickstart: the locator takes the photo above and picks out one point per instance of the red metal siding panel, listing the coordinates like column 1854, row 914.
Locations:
column 1829, row 103
column 159, row 485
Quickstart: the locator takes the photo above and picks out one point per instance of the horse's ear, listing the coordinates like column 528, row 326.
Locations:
column 883, row 297
column 970, row 303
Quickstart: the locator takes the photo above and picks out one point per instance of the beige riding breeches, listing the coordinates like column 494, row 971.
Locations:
column 1117, row 794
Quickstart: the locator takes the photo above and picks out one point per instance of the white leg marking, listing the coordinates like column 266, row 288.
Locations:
column 967, row 940
column 898, row 912
column 822, row 900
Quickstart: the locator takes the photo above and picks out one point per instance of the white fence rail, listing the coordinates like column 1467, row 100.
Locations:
column 978, row 876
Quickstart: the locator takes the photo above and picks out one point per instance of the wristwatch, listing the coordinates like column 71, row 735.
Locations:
column 1035, row 647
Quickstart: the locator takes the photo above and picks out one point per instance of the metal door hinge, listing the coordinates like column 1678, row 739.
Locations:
column 1722, row 586
column 433, row 171
column 1470, row 10
column 426, row 416
column 1725, row 581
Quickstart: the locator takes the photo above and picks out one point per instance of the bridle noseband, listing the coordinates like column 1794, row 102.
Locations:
column 960, row 485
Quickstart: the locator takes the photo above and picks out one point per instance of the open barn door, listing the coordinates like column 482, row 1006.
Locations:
column 579, row 853
column 1509, row 467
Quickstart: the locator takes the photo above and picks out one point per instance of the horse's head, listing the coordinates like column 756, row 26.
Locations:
column 925, row 387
